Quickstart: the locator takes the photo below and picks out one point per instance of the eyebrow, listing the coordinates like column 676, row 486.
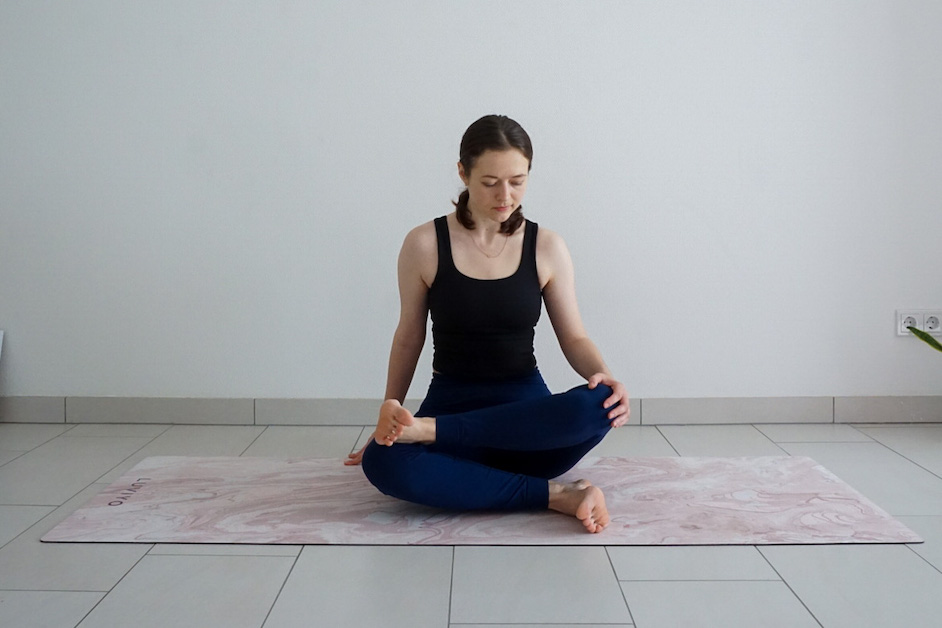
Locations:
column 493, row 176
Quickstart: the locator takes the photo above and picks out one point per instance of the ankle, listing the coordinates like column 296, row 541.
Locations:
column 422, row 430
column 428, row 430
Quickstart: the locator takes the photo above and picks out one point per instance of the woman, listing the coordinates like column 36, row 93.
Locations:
column 489, row 434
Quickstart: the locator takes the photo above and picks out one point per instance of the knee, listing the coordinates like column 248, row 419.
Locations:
column 589, row 401
column 377, row 465
column 388, row 468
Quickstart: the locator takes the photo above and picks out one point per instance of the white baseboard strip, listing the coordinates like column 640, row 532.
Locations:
column 651, row 411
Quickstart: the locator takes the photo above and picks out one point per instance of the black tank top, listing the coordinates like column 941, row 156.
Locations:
column 483, row 328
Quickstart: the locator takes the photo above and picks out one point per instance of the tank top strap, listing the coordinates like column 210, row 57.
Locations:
column 445, row 261
column 529, row 246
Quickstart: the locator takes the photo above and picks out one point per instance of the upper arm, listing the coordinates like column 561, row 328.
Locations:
column 554, row 265
column 418, row 262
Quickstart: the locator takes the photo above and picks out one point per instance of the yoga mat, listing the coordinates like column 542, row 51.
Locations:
column 652, row 501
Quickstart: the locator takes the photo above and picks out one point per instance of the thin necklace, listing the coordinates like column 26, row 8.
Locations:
column 485, row 252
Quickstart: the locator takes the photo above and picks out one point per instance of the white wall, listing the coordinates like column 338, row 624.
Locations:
column 207, row 198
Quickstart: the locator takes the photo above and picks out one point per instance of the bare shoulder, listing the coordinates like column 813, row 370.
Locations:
column 552, row 256
column 549, row 242
column 419, row 254
column 421, row 239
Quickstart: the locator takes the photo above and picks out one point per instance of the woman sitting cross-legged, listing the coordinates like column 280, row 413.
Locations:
column 489, row 434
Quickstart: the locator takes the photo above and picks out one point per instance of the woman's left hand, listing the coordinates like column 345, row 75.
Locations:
column 618, row 401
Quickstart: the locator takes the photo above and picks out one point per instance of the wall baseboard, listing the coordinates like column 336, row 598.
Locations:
column 737, row 410
column 652, row 411
column 32, row 409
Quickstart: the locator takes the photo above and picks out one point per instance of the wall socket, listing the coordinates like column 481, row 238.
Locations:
column 929, row 321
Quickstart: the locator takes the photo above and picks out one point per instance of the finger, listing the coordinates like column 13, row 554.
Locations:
column 620, row 410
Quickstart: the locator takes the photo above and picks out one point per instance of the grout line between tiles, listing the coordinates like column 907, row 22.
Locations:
column 770, row 439
column 785, row 582
column 53, row 591
column 19, row 455
column 703, row 580
column 357, row 440
column 104, row 594
column 451, row 584
column 109, row 591
column 37, row 505
column 666, row 439
column 281, row 589
column 618, row 582
column 30, row 527
column 258, row 436
column 907, row 458
column 125, row 459
column 913, row 550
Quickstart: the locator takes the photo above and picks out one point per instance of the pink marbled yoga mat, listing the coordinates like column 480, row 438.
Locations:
column 653, row 501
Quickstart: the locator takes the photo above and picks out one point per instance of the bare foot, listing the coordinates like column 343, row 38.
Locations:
column 397, row 425
column 581, row 500
column 393, row 419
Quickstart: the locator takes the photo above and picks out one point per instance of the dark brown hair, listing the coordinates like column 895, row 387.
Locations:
column 491, row 133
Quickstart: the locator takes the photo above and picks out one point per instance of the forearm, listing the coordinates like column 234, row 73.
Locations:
column 403, row 357
column 584, row 357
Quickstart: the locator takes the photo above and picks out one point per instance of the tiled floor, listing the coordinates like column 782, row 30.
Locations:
column 47, row 471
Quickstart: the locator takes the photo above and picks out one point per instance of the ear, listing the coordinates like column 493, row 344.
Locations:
column 462, row 173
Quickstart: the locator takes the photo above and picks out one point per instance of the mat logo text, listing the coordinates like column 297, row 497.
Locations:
column 126, row 494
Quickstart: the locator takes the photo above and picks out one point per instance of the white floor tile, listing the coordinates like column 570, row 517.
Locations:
column 364, row 438
column 198, row 591
column 497, row 587
column 304, row 442
column 8, row 456
column 889, row 480
column 809, row 433
column 726, row 604
column 112, row 430
column 191, row 440
column 930, row 529
column 26, row 563
column 720, row 440
column 45, row 609
column 57, row 470
column 920, row 443
column 634, row 441
column 535, row 585
column 861, row 585
column 206, row 549
column 355, row 586
column 25, row 436
column 690, row 563
column 16, row 519
column 454, row 625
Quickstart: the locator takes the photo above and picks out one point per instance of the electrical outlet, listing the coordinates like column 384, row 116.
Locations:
column 929, row 321
column 906, row 319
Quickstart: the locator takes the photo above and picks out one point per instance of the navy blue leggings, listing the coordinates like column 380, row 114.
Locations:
column 497, row 444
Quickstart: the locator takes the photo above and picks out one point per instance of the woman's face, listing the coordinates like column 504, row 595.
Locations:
column 496, row 183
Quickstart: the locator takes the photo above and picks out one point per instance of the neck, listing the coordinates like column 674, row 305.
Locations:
column 486, row 227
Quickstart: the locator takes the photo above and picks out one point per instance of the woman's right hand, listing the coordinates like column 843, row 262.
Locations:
column 357, row 457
